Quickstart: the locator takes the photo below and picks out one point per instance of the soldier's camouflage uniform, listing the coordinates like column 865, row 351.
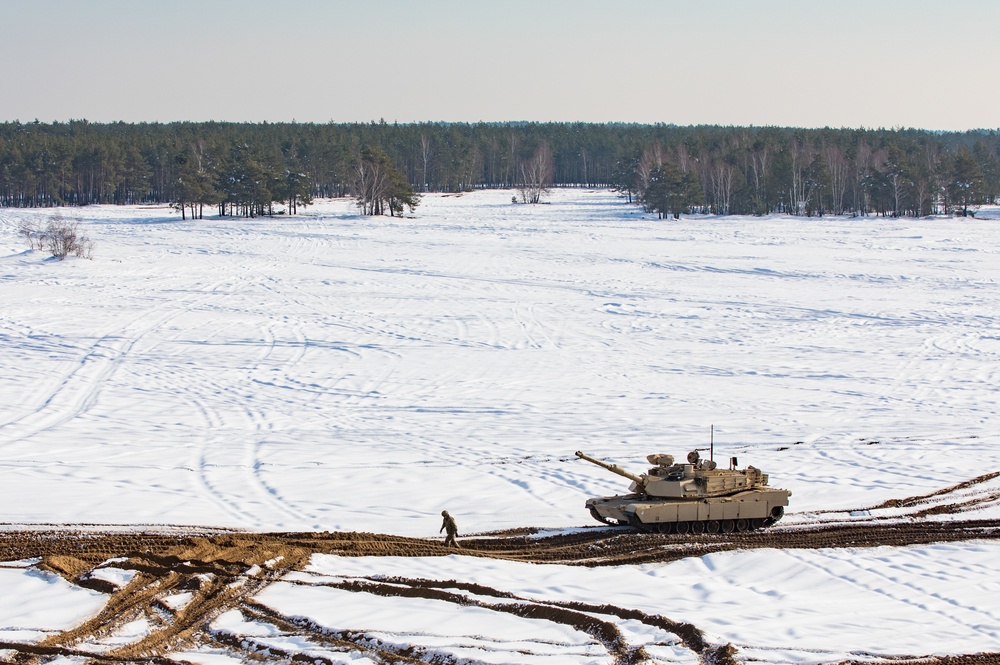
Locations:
column 449, row 525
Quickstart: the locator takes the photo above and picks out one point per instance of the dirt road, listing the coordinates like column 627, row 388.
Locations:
column 225, row 570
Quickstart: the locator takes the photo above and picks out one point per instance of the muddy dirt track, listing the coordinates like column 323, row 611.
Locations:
column 224, row 571
column 596, row 546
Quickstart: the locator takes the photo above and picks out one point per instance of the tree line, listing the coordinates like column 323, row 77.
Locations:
column 248, row 168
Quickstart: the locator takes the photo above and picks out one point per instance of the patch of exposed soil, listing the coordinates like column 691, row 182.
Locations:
column 223, row 572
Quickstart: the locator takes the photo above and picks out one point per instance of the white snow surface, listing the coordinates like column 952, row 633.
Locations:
column 328, row 371
column 34, row 603
column 333, row 372
column 775, row 606
column 116, row 576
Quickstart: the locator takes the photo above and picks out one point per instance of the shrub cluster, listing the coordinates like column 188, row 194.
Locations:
column 59, row 237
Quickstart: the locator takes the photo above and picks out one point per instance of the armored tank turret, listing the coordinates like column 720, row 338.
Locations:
column 695, row 497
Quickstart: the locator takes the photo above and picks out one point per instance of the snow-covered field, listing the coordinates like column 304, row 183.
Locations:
column 331, row 372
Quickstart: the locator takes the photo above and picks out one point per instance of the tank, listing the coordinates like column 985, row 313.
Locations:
column 695, row 497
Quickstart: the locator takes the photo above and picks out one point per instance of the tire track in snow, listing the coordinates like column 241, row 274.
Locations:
column 883, row 585
column 80, row 389
column 240, row 495
column 284, row 346
column 293, row 353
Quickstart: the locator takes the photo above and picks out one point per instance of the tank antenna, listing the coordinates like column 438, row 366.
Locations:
column 711, row 444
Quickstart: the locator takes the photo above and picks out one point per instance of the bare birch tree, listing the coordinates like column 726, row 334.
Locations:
column 760, row 165
column 425, row 156
column 722, row 180
column 536, row 174
column 802, row 156
column 379, row 187
column 652, row 159
column 838, row 167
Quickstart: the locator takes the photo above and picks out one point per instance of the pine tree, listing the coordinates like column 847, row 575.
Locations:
column 380, row 187
column 669, row 191
column 965, row 182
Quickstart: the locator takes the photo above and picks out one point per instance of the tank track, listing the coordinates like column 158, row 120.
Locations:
column 708, row 526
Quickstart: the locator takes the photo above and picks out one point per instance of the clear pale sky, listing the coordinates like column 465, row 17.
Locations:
column 839, row 63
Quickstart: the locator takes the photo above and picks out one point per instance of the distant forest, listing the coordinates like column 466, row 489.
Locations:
column 245, row 169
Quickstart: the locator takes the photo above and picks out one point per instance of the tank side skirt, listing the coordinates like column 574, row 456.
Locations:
column 755, row 507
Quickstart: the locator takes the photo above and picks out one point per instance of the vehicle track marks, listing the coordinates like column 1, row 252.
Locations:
column 224, row 572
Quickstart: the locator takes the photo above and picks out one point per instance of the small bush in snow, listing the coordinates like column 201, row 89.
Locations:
column 64, row 239
column 59, row 237
column 33, row 234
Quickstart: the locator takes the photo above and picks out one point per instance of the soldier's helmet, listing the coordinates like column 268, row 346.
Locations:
column 444, row 513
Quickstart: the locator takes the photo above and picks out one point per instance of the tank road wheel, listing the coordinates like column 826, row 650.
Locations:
column 756, row 522
column 713, row 526
column 666, row 527
column 742, row 525
column 682, row 528
column 697, row 527
column 728, row 526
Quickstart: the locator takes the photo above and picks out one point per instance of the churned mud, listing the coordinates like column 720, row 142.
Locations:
column 225, row 571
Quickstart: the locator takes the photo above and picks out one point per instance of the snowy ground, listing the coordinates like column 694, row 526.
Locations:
column 329, row 372
column 777, row 606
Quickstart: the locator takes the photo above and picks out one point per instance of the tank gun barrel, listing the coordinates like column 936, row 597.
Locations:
column 613, row 468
